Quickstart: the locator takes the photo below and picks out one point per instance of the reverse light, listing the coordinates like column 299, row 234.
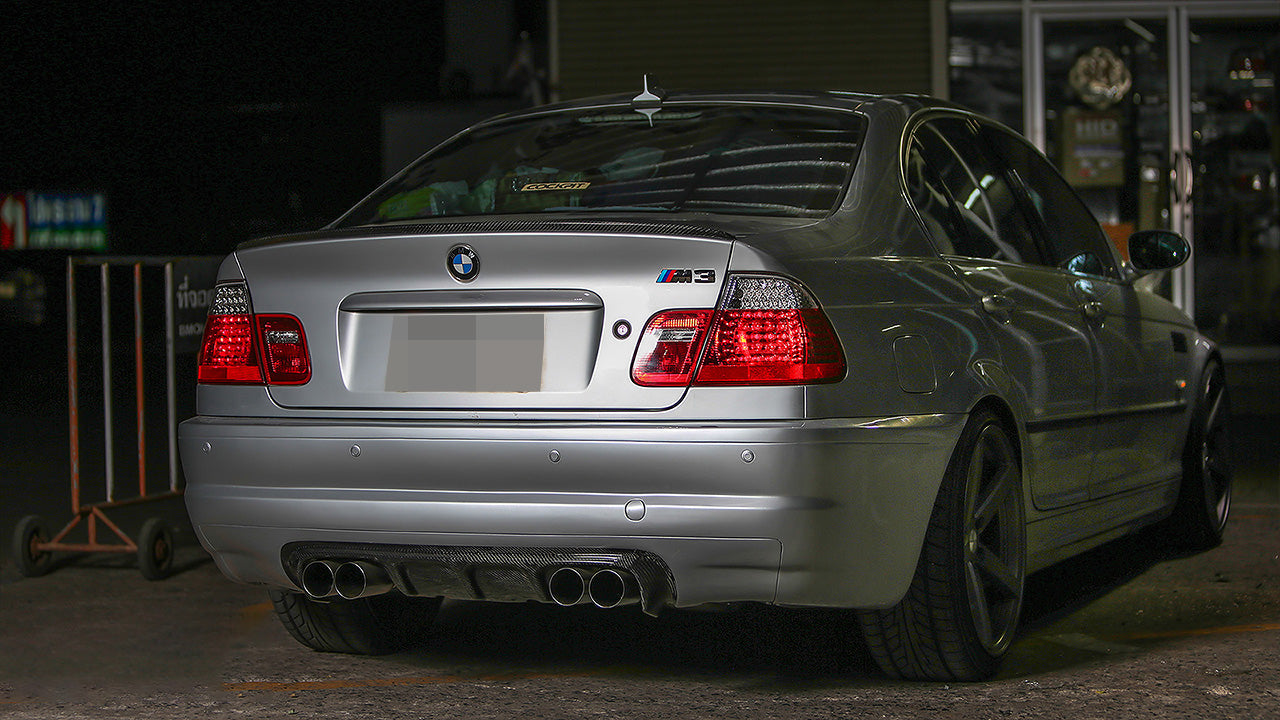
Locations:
column 669, row 347
column 241, row 348
column 285, row 358
column 767, row 330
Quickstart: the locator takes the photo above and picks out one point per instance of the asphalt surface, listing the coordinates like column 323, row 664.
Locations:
column 1123, row 632
column 1129, row 630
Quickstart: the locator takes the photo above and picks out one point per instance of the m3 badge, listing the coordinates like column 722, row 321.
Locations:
column 687, row 275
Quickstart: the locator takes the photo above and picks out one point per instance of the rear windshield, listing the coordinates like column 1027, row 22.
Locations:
column 739, row 160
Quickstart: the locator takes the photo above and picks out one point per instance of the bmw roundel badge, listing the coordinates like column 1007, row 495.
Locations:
column 463, row 263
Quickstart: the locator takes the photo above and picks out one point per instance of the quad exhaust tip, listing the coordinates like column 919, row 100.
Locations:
column 357, row 579
column 568, row 586
column 611, row 588
column 317, row 579
column 322, row 579
column 607, row 588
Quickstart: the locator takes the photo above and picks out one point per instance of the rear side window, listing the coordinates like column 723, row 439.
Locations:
column 752, row 160
column 996, row 227
column 934, row 203
column 1073, row 237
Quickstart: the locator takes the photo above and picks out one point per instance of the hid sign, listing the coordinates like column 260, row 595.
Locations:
column 41, row 221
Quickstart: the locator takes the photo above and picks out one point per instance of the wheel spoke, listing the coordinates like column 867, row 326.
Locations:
column 1217, row 460
column 1222, row 505
column 990, row 504
column 1218, row 466
column 979, row 608
column 998, row 569
column 1211, row 420
column 977, row 465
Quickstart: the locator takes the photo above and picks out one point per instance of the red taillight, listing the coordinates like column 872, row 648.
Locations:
column 770, row 347
column 767, row 330
column 228, row 353
column 238, row 346
column 669, row 347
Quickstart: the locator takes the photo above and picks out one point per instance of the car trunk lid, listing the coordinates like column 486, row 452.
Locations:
column 550, row 319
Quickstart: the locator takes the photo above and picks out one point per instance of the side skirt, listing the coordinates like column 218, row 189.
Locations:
column 1055, row 537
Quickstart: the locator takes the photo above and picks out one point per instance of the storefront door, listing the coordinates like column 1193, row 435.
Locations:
column 1107, row 117
column 1164, row 115
column 1234, row 153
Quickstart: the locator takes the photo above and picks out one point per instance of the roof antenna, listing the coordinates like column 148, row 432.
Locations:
column 649, row 102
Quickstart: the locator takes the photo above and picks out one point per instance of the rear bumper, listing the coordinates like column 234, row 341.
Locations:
column 824, row 513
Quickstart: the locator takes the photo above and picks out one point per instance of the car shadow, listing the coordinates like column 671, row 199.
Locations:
column 761, row 646
column 773, row 647
column 1062, row 589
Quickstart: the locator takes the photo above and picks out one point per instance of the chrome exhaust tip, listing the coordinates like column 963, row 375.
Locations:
column 318, row 579
column 357, row 579
column 611, row 588
column 568, row 586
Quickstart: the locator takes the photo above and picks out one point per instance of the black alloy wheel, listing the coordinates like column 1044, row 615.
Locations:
column 995, row 539
column 961, row 613
column 1204, row 500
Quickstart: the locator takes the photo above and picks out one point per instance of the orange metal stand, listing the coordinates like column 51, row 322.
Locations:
column 154, row 544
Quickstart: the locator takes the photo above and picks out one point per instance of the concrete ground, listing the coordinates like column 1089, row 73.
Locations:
column 1124, row 631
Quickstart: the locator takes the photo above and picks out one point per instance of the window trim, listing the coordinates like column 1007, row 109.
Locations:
column 976, row 123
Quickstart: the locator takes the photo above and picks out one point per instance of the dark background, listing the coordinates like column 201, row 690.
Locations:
column 206, row 124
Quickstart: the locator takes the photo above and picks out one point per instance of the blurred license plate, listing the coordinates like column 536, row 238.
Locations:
column 479, row 352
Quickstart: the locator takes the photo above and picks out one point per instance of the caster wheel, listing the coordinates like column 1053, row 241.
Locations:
column 155, row 549
column 30, row 532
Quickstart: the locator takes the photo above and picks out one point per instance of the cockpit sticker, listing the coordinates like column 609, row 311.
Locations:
column 544, row 186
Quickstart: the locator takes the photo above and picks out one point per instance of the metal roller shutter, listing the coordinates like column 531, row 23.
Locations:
column 864, row 45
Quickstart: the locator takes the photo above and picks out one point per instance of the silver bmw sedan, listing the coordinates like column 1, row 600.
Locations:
column 805, row 349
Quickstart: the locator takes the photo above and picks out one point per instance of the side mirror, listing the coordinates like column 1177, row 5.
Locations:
column 1156, row 250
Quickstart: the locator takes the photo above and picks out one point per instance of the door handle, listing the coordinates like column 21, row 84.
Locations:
column 1090, row 306
column 998, row 306
column 1188, row 182
column 1181, row 177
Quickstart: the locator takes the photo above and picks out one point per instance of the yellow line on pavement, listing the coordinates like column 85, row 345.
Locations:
column 255, row 611
column 388, row 682
column 1228, row 630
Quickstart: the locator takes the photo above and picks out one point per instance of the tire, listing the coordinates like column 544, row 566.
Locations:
column 960, row 614
column 1204, row 500
column 29, row 531
column 155, row 549
column 376, row 625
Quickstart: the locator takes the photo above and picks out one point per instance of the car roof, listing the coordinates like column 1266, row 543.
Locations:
column 833, row 99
